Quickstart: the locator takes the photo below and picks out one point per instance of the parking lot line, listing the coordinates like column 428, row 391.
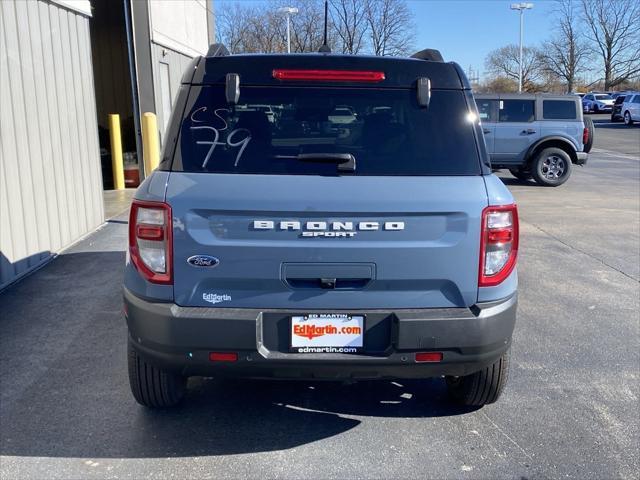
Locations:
column 609, row 153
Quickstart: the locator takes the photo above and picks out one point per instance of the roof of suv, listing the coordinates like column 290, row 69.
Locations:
column 528, row 96
column 257, row 69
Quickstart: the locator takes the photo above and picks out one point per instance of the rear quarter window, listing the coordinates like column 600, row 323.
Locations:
column 384, row 129
column 559, row 110
column 487, row 110
column 516, row 111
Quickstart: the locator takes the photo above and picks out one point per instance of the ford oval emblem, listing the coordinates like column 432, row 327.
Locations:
column 203, row 261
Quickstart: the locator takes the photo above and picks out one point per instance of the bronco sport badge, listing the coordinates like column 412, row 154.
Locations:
column 327, row 229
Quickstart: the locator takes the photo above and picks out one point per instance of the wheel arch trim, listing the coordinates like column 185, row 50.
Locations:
column 552, row 141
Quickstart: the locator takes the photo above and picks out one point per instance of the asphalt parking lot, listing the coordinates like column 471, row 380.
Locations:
column 571, row 408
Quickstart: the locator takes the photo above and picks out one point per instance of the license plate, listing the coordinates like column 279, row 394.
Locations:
column 327, row 333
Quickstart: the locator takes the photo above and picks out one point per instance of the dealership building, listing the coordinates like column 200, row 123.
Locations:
column 65, row 65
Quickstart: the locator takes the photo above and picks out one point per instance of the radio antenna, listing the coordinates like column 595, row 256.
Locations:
column 325, row 48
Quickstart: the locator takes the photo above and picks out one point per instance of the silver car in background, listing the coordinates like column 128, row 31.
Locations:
column 631, row 108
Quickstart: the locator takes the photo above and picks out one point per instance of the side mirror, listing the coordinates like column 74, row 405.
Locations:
column 424, row 91
column 232, row 89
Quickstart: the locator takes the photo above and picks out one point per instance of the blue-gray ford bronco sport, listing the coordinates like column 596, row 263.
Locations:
column 322, row 216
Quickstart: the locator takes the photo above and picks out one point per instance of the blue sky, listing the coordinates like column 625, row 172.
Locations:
column 465, row 31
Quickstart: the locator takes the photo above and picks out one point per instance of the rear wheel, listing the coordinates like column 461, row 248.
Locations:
column 520, row 174
column 627, row 118
column 152, row 386
column 483, row 387
column 551, row 167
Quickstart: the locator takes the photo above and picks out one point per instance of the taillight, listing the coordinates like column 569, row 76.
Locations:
column 151, row 240
column 585, row 136
column 330, row 75
column 498, row 244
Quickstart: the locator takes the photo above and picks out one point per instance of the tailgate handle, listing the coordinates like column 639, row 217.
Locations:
column 328, row 283
column 328, row 276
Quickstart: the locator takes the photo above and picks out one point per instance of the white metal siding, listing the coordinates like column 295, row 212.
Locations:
column 181, row 25
column 50, row 185
column 176, row 63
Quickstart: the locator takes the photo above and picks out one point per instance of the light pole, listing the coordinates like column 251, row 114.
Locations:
column 288, row 11
column 521, row 7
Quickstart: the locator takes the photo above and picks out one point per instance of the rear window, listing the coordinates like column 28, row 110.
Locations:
column 558, row 109
column 384, row 129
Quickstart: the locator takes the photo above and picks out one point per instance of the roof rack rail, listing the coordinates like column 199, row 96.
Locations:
column 217, row 50
column 429, row 54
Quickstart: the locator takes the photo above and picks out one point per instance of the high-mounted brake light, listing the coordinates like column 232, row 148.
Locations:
column 151, row 240
column 498, row 244
column 330, row 75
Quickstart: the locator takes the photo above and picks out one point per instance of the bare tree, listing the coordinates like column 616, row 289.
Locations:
column 263, row 33
column 505, row 61
column 391, row 27
column 350, row 24
column 307, row 26
column 498, row 85
column 384, row 27
column 232, row 24
column 565, row 55
column 614, row 29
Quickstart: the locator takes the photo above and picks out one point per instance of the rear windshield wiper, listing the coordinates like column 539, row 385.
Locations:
column 346, row 162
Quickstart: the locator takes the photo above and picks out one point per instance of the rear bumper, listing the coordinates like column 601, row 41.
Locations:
column 181, row 338
column 581, row 158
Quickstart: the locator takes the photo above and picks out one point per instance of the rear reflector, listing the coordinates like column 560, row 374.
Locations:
column 223, row 357
column 330, row 75
column 429, row 357
column 150, row 232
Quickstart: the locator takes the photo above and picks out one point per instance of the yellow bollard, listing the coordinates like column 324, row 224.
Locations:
column 150, row 142
column 116, row 152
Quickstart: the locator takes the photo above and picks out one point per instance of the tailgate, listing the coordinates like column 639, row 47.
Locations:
column 313, row 242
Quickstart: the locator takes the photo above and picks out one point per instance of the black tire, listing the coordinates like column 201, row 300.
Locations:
column 588, row 123
column 151, row 386
column 483, row 387
column 596, row 109
column 520, row 174
column 627, row 118
column 551, row 167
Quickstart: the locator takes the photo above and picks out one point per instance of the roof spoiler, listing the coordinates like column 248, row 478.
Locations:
column 217, row 50
column 429, row 54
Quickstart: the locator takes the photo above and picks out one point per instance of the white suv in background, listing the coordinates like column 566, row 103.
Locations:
column 631, row 108
column 597, row 103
